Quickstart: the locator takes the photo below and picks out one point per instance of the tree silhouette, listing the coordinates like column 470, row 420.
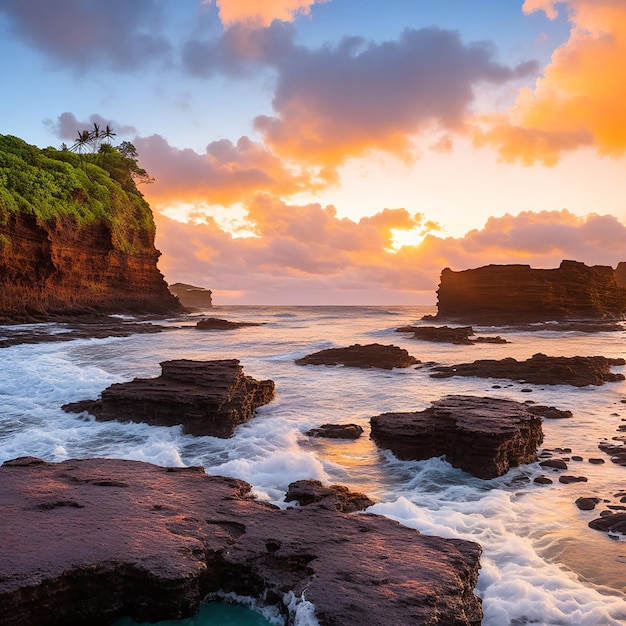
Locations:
column 82, row 141
column 108, row 134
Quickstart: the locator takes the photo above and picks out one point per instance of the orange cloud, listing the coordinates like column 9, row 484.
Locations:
column 339, row 102
column 579, row 100
column 309, row 255
column 227, row 173
column 262, row 12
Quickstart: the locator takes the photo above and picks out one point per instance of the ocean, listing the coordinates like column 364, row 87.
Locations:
column 541, row 563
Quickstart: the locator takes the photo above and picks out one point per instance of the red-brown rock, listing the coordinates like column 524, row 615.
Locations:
column 510, row 294
column 483, row 436
column 335, row 497
column 88, row 541
column 206, row 397
column 373, row 355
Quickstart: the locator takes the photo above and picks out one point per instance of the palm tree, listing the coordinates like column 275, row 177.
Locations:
column 96, row 137
column 83, row 139
column 108, row 134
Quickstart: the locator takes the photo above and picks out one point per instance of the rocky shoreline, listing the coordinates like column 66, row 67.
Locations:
column 89, row 541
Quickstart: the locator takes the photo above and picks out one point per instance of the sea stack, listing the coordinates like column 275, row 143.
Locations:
column 507, row 294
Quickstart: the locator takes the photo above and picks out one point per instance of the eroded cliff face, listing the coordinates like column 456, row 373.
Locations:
column 76, row 235
column 514, row 293
column 56, row 266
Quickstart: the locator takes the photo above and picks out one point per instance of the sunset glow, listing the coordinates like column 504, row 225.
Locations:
column 341, row 152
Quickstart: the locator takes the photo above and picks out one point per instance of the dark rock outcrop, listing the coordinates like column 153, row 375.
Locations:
column 510, row 294
column 215, row 323
column 335, row 497
column 549, row 412
column 368, row 356
column 483, row 436
column 540, row 369
column 617, row 451
column 612, row 523
column 87, row 541
column 206, row 397
column 193, row 298
column 446, row 334
column 336, row 431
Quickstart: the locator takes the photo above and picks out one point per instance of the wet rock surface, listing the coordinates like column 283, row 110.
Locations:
column 336, row 431
column 335, row 497
column 215, row 323
column 578, row 371
column 613, row 523
column 87, row 541
column 206, row 397
column 373, row 355
column 483, row 436
column 67, row 329
column 461, row 335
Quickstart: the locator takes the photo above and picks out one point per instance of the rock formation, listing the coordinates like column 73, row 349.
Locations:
column 446, row 334
column 483, row 436
column 73, row 239
column 206, row 397
column 215, row 323
column 194, row 298
column 371, row 355
column 336, row 431
column 509, row 294
column 89, row 541
column 335, row 497
column 540, row 369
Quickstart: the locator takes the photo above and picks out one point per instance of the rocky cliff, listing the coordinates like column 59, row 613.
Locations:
column 75, row 235
column 514, row 293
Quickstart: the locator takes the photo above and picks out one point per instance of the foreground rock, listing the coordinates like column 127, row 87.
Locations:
column 88, row 541
column 540, row 369
column 215, row 323
column 483, row 436
column 368, row 356
column 510, row 294
column 445, row 334
column 206, row 397
column 336, row 431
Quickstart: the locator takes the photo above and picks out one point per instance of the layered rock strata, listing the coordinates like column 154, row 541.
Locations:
column 373, row 355
column 206, row 397
column 578, row 371
column 89, row 541
column 191, row 297
column 509, row 294
column 56, row 266
column 483, row 436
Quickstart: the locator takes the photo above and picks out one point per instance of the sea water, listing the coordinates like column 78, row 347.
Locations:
column 541, row 563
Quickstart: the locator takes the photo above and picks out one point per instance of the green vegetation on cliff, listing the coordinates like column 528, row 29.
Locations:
column 52, row 183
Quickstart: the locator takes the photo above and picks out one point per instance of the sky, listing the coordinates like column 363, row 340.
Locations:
column 341, row 151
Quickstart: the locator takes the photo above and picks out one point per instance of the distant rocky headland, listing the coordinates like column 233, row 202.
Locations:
column 508, row 294
column 76, row 236
column 192, row 297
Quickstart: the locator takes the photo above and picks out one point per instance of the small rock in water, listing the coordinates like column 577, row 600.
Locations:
column 566, row 480
column 587, row 504
column 557, row 464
